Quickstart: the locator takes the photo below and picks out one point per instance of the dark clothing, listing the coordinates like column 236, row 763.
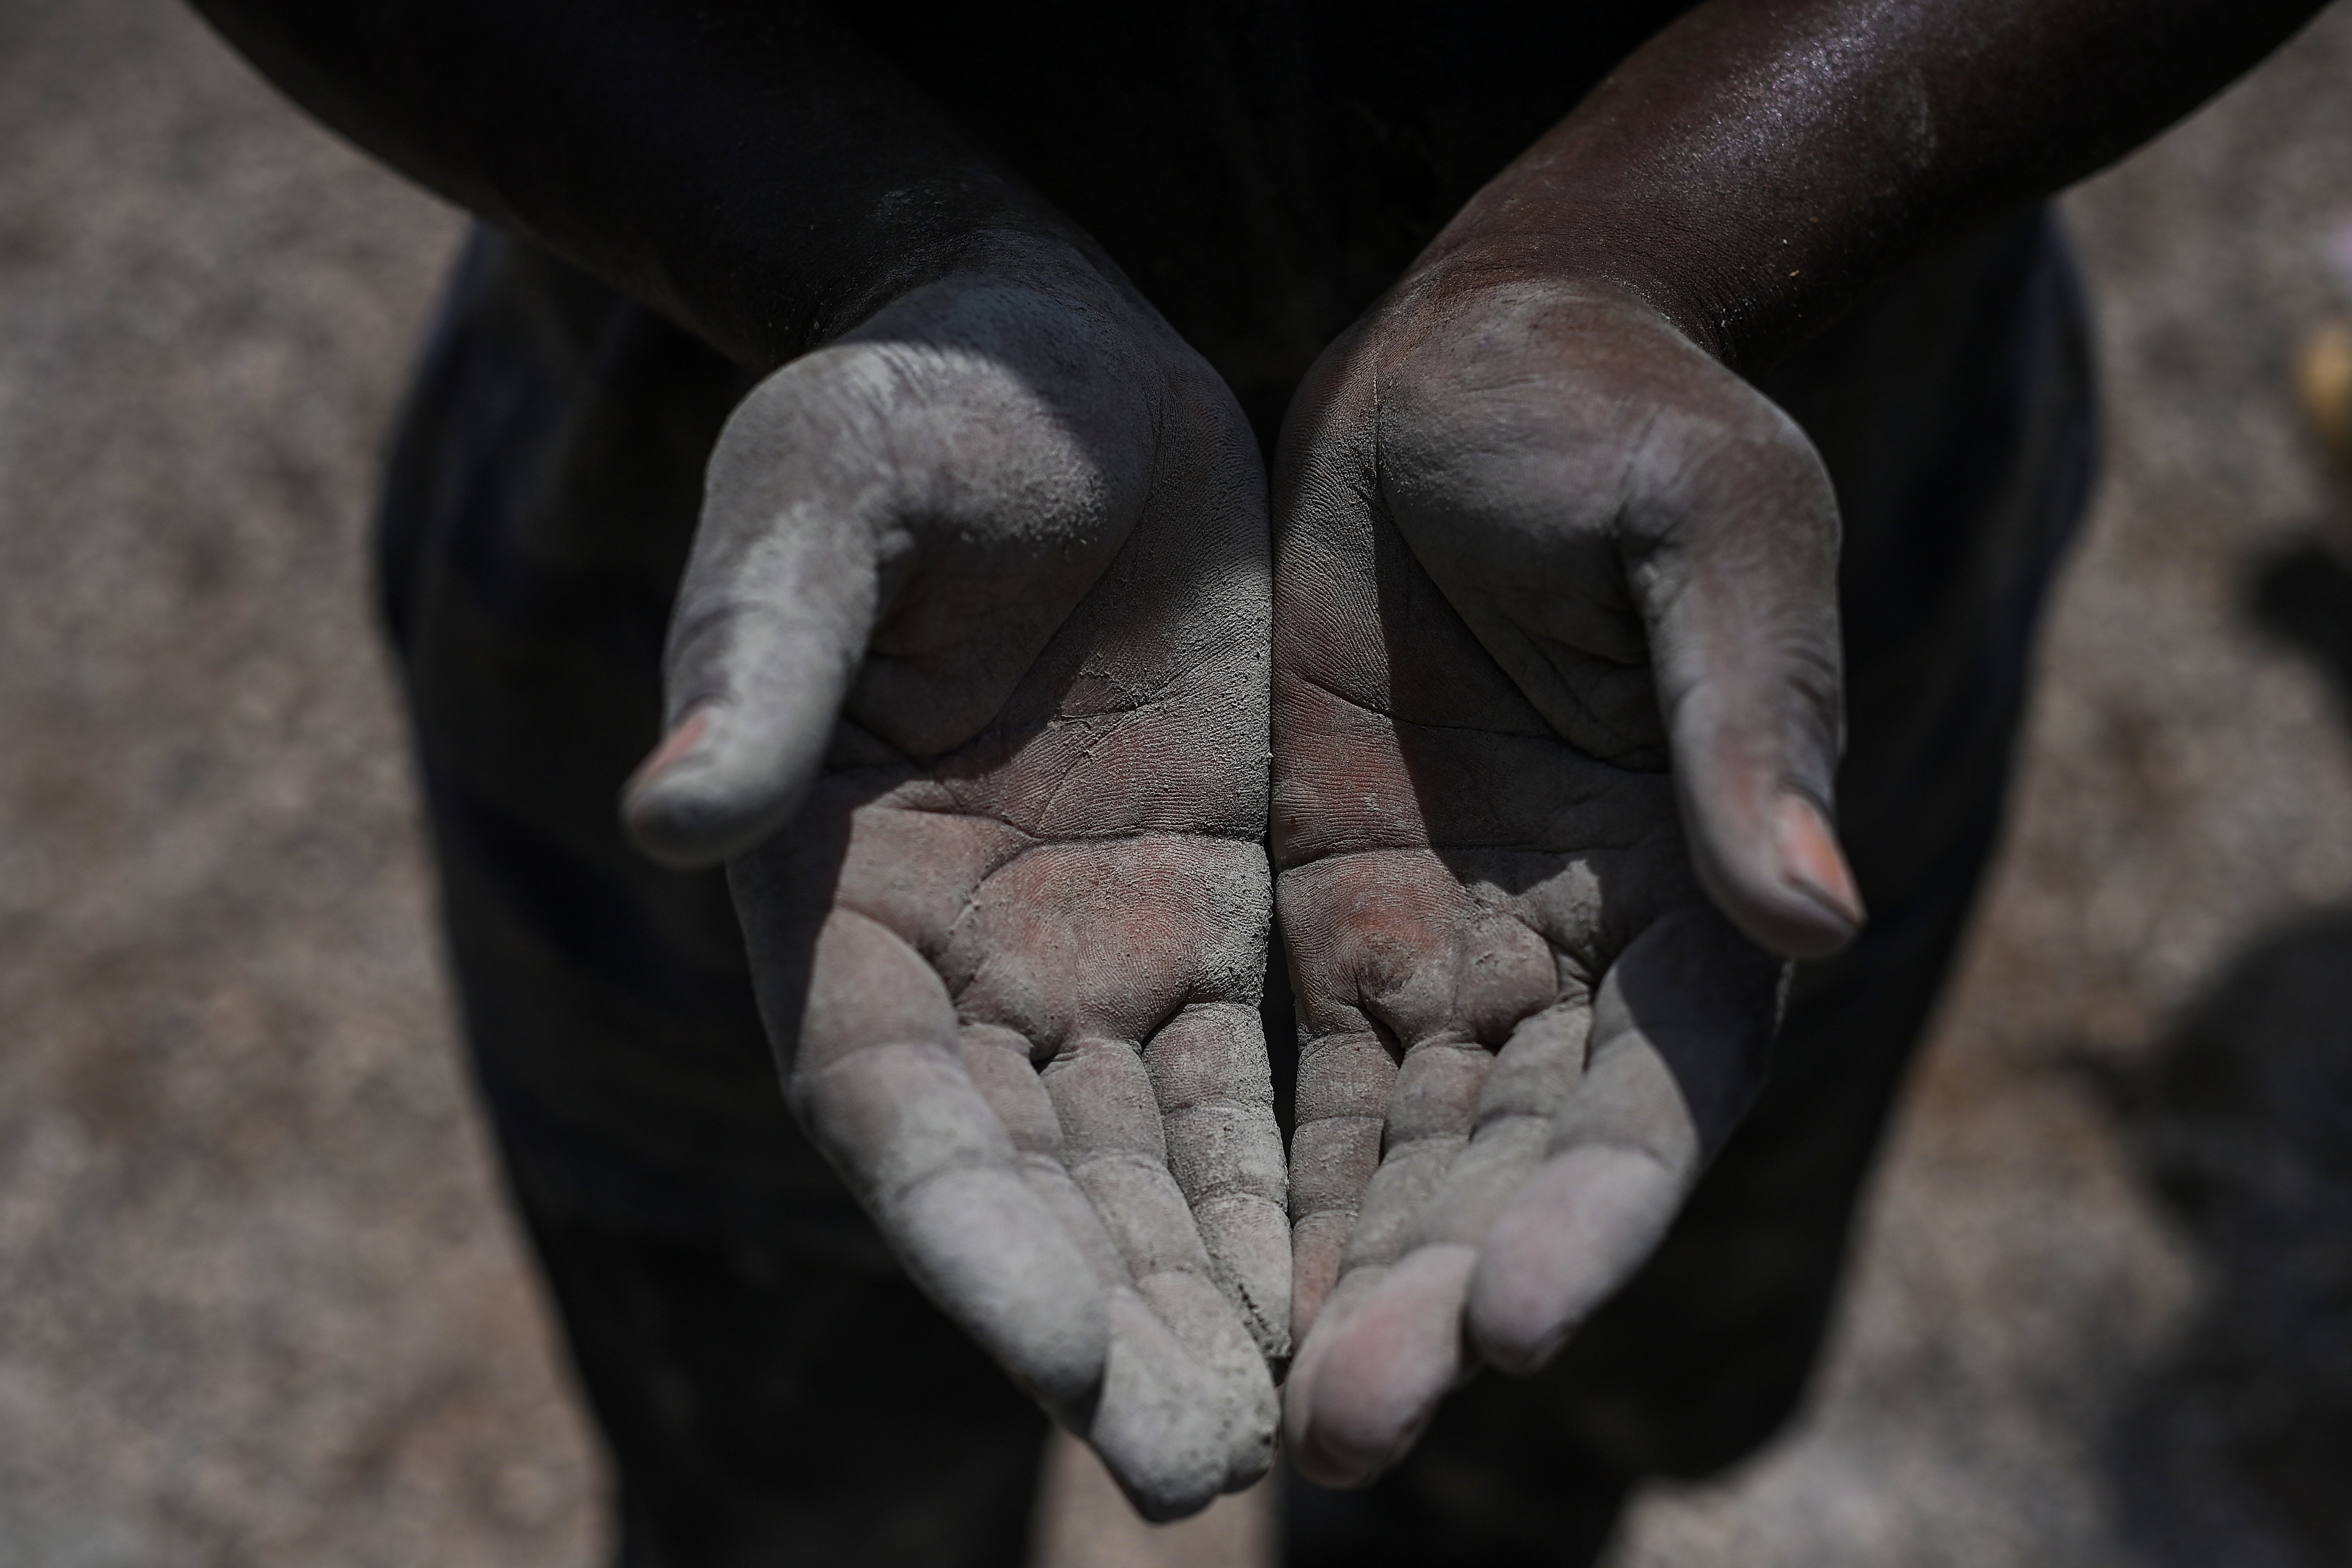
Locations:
column 1263, row 172
column 774, row 1400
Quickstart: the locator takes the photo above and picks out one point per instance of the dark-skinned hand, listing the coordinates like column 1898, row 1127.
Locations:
column 980, row 606
column 1556, row 690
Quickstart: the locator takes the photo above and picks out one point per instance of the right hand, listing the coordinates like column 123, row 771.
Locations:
column 968, row 677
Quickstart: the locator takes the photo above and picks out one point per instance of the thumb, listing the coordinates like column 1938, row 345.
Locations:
column 773, row 617
column 1738, row 592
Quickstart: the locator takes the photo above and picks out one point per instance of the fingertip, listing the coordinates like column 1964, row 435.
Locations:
column 1299, row 1390
column 1384, row 1370
column 690, row 805
column 1584, row 1223
column 1784, row 881
column 674, row 825
column 683, row 736
column 1812, row 863
column 980, row 1242
column 1175, row 1431
column 1314, row 1459
column 657, row 821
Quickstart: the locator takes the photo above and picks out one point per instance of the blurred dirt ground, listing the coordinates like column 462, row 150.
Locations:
column 259, row 1303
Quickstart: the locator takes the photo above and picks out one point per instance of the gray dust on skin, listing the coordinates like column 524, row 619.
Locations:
column 1496, row 1112
column 1012, row 954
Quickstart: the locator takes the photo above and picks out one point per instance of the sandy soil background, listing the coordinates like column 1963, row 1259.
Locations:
column 259, row 1303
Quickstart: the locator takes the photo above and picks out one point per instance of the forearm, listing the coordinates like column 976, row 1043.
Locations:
column 1756, row 164
column 750, row 170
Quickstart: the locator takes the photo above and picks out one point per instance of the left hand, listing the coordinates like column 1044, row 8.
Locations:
column 1556, row 714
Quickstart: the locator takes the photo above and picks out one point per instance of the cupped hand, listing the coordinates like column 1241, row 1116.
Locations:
column 1556, row 713
column 968, row 677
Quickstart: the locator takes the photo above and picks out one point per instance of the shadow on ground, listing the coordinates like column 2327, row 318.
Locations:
column 2235, row 1447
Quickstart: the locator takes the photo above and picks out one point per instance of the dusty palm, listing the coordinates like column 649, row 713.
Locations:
column 1506, row 536
column 1010, row 946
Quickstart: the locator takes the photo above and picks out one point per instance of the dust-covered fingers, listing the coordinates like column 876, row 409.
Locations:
column 1681, row 1035
column 1388, row 1336
column 1129, row 961
column 1187, row 1409
column 1214, row 1088
column 1390, row 1346
column 1443, row 976
column 879, row 1077
column 1372, row 940
column 772, row 620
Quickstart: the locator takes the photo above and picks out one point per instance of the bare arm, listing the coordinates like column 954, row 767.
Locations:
column 750, row 170
column 1751, row 168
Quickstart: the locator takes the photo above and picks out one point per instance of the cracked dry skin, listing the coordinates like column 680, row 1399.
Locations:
column 1012, row 948
column 1526, row 1026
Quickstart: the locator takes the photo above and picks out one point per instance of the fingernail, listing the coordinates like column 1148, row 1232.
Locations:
column 675, row 745
column 1811, row 861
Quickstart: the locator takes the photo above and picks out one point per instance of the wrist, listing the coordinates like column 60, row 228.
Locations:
column 1489, row 280
column 1580, row 256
